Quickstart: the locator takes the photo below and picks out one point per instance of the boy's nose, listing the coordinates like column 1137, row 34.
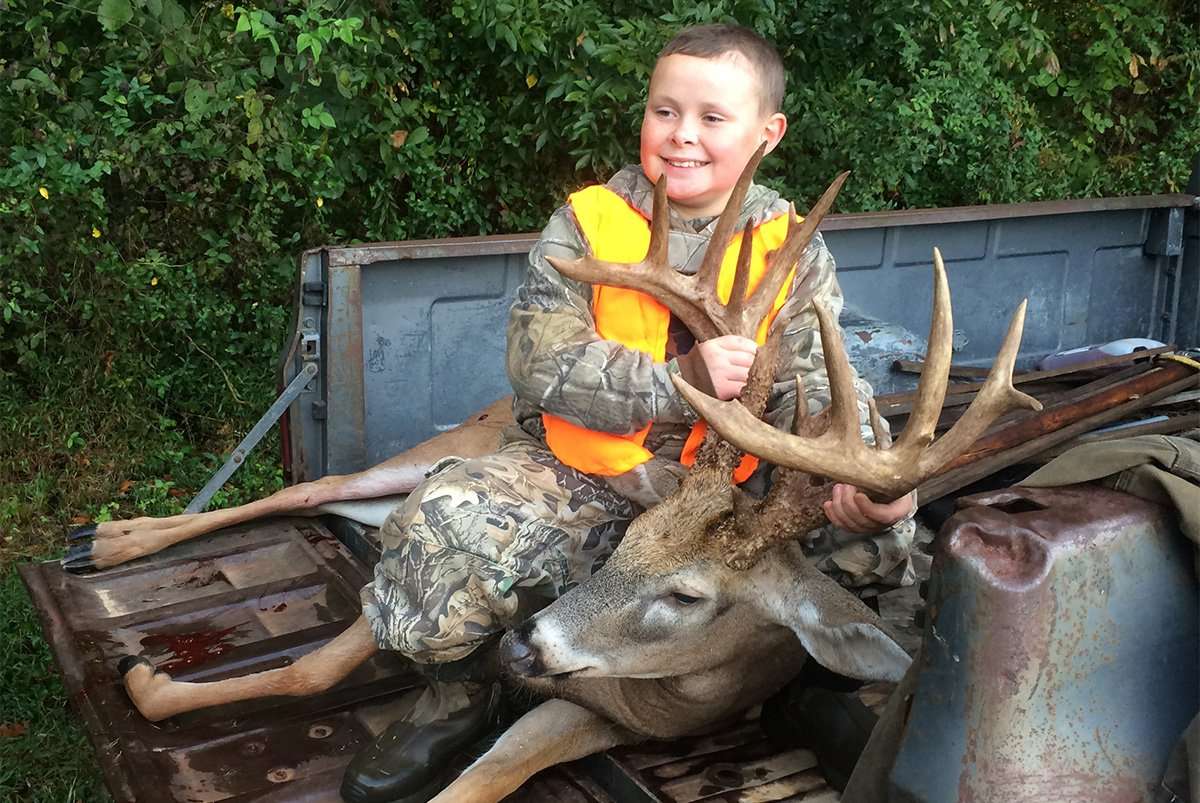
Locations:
column 684, row 134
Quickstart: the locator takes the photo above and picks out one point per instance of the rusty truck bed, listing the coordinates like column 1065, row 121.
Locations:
column 259, row 596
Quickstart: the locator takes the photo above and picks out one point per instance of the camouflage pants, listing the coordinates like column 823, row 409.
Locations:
column 481, row 544
column 484, row 543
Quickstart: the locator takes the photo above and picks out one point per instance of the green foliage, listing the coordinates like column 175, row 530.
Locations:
column 164, row 162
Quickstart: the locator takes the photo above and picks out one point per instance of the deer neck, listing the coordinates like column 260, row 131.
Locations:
column 666, row 708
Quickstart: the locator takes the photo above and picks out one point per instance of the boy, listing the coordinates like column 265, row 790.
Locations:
column 483, row 543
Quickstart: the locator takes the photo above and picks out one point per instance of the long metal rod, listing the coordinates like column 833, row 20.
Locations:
column 238, row 456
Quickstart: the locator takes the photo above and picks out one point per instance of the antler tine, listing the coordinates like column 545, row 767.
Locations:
column 793, row 247
column 710, row 267
column 732, row 313
column 660, row 225
column 883, row 438
column 788, row 255
column 996, row 397
column 843, row 401
column 935, row 376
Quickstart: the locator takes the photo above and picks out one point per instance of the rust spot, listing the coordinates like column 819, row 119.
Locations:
column 281, row 775
column 864, row 336
column 727, row 777
column 188, row 649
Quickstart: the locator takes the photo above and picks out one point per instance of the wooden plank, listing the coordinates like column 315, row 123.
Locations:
column 720, row 778
column 1034, row 376
column 917, row 366
column 656, row 754
column 801, row 786
column 964, row 475
column 754, row 751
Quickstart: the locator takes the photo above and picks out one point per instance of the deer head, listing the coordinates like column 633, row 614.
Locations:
column 712, row 578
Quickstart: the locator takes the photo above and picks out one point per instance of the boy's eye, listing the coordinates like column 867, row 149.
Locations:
column 713, row 118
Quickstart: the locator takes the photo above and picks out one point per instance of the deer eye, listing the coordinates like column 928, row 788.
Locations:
column 684, row 599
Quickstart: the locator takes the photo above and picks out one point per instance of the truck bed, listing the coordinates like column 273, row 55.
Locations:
column 259, row 596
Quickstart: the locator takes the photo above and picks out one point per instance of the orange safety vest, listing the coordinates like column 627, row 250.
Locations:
column 617, row 232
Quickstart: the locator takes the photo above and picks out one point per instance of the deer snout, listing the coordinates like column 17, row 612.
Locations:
column 518, row 655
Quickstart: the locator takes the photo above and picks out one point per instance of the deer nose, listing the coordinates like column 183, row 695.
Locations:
column 518, row 655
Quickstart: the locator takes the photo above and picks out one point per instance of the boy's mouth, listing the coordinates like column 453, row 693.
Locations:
column 685, row 162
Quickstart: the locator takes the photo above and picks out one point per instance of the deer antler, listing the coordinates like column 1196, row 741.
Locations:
column 839, row 452
column 822, row 449
column 696, row 300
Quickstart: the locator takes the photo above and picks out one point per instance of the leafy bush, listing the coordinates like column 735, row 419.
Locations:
column 164, row 162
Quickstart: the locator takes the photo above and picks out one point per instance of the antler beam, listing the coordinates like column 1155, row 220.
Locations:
column 839, row 453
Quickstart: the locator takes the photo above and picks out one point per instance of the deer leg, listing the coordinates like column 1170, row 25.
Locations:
column 113, row 542
column 555, row 732
column 157, row 697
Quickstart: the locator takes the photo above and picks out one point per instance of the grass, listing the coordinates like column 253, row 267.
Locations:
column 52, row 476
column 44, row 754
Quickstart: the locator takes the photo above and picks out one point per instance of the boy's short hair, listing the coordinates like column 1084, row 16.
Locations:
column 711, row 41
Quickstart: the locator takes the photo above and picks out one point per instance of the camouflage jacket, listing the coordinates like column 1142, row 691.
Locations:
column 557, row 363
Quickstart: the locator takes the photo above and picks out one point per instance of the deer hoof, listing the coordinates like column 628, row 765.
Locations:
column 127, row 664
column 79, row 533
column 78, row 559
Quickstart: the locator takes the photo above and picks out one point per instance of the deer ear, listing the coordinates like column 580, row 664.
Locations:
column 856, row 649
column 835, row 627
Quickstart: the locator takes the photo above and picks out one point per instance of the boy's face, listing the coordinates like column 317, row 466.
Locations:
column 703, row 122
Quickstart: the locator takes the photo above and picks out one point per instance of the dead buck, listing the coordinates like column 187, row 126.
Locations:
column 708, row 606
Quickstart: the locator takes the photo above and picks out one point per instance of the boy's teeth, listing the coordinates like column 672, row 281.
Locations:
column 691, row 163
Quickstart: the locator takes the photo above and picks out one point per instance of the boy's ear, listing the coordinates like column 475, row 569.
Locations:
column 774, row 127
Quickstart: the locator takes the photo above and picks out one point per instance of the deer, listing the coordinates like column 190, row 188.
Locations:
column 708, row 605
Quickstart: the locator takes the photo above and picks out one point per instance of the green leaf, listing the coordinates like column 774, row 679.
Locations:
column 155, row 7
column 283, row 158
column 417, row 136
column 254, row 131
column 266, row 65
column 327, row 120
column 114, row 13
column 195, row 99
column 173, row 16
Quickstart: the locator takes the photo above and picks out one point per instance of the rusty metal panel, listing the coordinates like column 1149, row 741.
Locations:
column 242, row 600
column 1060, row 658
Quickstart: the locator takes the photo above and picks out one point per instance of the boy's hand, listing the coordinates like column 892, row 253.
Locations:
column 719, row 366
column 851, row 510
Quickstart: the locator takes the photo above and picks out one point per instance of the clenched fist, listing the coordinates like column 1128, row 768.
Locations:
column 719, row 366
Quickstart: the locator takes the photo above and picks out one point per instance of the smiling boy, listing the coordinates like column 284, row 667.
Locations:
column 602, row 431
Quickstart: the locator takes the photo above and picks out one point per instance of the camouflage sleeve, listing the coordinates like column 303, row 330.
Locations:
column 559, row 364
column 804, row 357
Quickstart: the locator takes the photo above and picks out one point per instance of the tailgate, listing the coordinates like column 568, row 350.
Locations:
column 242, row 600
